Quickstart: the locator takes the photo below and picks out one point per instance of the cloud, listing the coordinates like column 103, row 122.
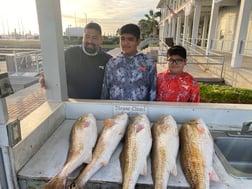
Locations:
column 14, row 16
column 111, row 14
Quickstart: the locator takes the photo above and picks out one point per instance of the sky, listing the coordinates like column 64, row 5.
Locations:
column 21, row 15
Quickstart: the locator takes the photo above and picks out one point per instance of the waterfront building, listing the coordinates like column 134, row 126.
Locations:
column 223, row 25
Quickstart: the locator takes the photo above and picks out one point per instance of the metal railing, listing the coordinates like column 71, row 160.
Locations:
column 246, row 48
column 28, row 61
column 196, row 55
column 224, row 45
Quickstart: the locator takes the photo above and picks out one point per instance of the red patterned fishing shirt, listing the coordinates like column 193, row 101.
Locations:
column 177, row 88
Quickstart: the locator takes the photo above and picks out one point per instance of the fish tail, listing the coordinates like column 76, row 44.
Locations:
column 128, row 185
column 56, row 183
column 87, row 173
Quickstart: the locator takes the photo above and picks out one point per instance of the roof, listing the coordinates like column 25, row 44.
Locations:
column 161, row 4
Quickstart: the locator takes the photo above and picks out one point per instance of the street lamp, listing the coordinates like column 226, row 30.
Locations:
column 69, row 28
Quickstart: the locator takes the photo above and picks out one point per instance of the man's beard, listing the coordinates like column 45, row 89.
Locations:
column 90, row 49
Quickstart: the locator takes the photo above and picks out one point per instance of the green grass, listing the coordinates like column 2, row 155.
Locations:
column 214, row 93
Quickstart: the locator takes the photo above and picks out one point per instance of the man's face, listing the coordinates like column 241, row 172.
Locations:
column 176, row 64
column 128, row 44
column 92, row 40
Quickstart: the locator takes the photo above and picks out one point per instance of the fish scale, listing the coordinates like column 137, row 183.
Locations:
column 196, row 153
column 82, row 140
column 164, row 150
column 135, row 151
column 111, row 134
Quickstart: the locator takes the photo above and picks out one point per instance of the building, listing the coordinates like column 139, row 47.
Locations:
column 74, row 31
column 222, row 25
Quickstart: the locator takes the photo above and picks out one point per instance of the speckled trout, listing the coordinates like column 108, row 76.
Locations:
column 164, row 150
column 196, row 154
column 137, row 146
column 82, row 141
column 112, row 132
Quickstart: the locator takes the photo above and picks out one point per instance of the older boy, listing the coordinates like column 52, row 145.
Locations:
column 131, row 75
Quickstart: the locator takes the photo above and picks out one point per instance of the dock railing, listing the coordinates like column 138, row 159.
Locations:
column 24, row 62
column 212, row 62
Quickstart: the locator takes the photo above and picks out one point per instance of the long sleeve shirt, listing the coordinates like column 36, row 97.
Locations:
column 130, row 78
column 177, row 88
column 84, row 73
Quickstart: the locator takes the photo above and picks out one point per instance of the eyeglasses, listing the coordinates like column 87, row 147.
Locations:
column 175, row 61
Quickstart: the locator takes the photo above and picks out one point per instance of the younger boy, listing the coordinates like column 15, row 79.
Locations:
column 175, row 85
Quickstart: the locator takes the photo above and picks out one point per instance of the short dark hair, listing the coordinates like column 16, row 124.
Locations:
column 177, row 50
column 131, row 29
column 95, row 26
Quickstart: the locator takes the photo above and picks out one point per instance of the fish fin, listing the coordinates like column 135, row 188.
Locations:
column 174, row 170
column 86, row 124
column 213, row 176
column 88, row 160
column 56, row 182
column 139, row 127
column 201, row 130
column 144, row 171
column 105, row 163
column 122, row 132
column 122, row 160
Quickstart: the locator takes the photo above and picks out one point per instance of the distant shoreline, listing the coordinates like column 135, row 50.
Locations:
column 35, row 44
column 19, row 43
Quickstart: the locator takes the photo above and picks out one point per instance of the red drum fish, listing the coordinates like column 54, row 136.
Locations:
column 164, row 150
column 111, row 134
column 137, row 146
column 196, row 155
column 82, row 141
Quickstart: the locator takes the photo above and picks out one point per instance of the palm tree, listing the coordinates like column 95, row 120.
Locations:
column 146, row 28
column 152, row 22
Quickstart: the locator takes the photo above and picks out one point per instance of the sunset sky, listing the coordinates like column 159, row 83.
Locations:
column 111, row 14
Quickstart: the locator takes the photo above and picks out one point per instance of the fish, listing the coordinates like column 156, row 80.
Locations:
column 112, row 133
column 164, row 150
column 82, row 141
column 196, row 154
column 136, row 149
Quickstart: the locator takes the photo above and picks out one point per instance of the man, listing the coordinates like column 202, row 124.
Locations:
column 85, row 65
column 175, row 85
column 131, row 75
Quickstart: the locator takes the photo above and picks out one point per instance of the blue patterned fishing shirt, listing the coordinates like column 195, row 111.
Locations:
column 130, row 78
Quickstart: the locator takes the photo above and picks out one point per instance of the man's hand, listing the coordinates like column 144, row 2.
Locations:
column 42, row 80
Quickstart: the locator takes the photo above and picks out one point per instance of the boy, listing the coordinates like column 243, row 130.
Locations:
column 175, row 85
column 131, row 75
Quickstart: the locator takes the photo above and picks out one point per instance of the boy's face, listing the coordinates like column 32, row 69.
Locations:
column 92, row 40
column 176, row 64
column 128, row 44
